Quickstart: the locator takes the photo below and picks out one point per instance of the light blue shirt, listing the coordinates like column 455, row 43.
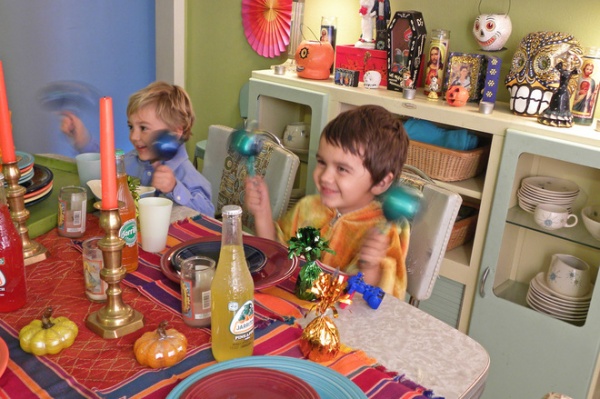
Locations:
column 192, row 189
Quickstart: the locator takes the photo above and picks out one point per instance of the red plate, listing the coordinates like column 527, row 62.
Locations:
column 250, row 383
column 278, row 267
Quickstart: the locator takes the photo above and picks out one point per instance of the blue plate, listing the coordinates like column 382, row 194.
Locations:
column 328, row 383
column 24, row 159
column 255, row 258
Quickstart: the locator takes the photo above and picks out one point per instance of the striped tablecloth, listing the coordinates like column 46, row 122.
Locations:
column 106, row 368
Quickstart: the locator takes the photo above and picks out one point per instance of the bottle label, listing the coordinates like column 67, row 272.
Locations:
column 128, row 232
column 242, row 324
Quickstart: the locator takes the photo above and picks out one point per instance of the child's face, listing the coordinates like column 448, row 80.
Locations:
column 342, row 180
column 143, row 127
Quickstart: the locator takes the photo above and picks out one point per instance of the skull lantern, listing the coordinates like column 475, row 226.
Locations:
column 492, row 31
column 533, row 78
column 314, row 59
column 457, row 96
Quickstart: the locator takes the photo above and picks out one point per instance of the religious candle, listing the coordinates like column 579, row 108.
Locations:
column 7, row 144
column 108, row 165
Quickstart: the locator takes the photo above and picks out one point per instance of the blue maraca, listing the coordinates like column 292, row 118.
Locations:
column 401, row 202
column 247, row 144
column 165, row 145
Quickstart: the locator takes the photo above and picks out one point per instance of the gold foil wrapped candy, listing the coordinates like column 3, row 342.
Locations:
column 320, row 340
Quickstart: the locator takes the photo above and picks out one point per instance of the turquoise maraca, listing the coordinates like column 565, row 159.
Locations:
column 401, row 202
column 247, row 144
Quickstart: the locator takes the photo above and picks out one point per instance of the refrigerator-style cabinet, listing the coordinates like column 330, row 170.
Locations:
column 538, row 342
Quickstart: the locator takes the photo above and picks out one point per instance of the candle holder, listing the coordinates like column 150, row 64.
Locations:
column 33, row 251
column 115, row 319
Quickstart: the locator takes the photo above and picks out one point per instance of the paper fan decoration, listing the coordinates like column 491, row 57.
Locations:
column 267, row 25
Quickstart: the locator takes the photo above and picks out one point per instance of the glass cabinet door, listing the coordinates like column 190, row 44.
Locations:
column 538, row 343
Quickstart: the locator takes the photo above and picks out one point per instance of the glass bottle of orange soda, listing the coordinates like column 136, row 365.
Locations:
column 232, row 293
column 128, row 231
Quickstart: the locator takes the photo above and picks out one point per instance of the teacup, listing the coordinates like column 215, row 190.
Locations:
column 296, row 136
column 552, row 217
column 569, row 275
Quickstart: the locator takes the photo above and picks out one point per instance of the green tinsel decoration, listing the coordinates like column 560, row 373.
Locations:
column 307, row 242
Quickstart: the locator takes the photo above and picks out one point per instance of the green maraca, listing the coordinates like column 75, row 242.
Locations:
column 247, row 144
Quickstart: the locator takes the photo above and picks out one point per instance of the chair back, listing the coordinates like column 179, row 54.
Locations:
column 226, row 172
column 430, row 233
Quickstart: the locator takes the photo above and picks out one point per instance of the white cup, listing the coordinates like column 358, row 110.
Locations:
column 552, row 217
column 88, row 168
column 569, row 275
column 296, row 136
column 155, row 218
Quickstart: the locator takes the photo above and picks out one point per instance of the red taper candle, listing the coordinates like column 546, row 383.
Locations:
column 108, row 165
column 6, row 138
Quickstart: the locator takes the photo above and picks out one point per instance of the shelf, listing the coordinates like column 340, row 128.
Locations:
column 577, row 234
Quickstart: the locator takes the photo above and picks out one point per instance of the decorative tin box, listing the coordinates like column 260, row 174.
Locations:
column 406, row 40
column 361, row 60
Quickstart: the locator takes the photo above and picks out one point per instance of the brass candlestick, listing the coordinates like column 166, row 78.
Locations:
column 115, row 319
column 33, row 251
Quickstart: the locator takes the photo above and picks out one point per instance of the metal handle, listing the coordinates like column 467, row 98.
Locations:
column 482, row 282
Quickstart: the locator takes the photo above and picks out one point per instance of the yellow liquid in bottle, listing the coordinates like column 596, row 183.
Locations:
column 232, row 310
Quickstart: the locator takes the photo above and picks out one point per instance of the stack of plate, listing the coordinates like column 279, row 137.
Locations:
column 25, row 163
column 536, row 190
column 545, row 300
column 39, row 186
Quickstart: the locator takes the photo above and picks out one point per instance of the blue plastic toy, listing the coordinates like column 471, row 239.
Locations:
column 372, row 295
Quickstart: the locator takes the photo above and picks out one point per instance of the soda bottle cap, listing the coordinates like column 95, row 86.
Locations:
column 231, row 210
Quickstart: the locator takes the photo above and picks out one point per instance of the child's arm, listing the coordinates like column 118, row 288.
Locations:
column 258, row 204
column 372, row 252
column 75, row 130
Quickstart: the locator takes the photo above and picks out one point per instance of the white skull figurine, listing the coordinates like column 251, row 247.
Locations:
column 492, row 31
column 372, row 79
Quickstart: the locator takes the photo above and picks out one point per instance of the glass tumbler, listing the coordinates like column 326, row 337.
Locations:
column 197, row 273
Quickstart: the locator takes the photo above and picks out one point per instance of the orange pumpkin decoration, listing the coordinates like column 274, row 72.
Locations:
column 314, row 59
column 160, row 348
column 457, row 96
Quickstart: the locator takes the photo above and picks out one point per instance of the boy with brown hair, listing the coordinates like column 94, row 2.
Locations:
column 361, row 154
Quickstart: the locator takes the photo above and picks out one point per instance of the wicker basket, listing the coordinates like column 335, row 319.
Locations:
column 446, row 164
column 464, row 227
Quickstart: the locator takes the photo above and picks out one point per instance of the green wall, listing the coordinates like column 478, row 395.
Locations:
column 219, row 60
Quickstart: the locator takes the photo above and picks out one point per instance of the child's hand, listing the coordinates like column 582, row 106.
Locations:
column 256, row 196
column 74, row 129
column 163, row 178
column 372, row 252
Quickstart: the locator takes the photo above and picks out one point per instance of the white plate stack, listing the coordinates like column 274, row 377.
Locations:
column 536, row 190
column 545, row 300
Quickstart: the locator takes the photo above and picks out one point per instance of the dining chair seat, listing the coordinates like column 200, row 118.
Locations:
column 226, row 171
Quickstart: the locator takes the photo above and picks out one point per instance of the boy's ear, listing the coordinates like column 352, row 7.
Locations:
column 383, row 185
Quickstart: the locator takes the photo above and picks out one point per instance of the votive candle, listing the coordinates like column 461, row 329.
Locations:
column 108, row 165
column 7, row 144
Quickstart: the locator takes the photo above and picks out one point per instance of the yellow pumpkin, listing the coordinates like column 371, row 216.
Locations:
column 160, row 348
column 48, row 335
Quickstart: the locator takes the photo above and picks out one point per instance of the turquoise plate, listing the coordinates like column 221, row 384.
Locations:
column 328, row 383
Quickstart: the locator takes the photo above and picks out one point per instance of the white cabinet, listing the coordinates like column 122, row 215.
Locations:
column 534, row 353
column 276, row 100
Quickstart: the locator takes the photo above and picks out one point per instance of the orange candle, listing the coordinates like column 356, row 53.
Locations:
column 108, row 164
column 7, row 144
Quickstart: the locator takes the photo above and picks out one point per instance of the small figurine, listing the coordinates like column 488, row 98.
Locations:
column 433, row 88
column 558, row 113
column 382, row 12
column 372, row 295
column 366, row 38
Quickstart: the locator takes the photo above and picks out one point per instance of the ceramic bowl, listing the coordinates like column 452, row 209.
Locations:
column 591, row 220
column 96, row 187
column 296, row 136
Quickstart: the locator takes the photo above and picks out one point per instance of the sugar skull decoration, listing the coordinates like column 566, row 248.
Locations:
column 492, row 31
column 533, row 77
column 372, row 79
column 314, row 59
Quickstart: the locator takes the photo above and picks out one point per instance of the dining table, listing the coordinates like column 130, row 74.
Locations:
column 394, row 351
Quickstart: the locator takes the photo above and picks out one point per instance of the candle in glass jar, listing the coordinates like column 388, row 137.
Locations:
column 7, row 144
column 108, row 165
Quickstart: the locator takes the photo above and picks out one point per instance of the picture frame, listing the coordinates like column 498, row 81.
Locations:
column 466, row 70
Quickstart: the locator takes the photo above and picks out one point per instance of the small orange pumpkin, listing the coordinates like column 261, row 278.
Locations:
column 160, row 348
column 314, row 59
column 457, row 96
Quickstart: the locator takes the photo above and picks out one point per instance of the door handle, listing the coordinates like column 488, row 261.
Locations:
column 484, row 277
